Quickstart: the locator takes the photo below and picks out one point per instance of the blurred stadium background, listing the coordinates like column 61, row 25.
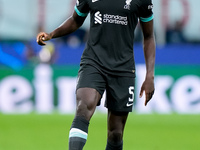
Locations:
column 37, row 84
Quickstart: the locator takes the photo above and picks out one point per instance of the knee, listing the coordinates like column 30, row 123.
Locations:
column 81, row 107
column 85, row 110
column 85, row 104
column 115, row 136
column 86, row 99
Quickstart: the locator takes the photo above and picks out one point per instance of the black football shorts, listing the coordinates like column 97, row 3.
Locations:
column 119, row 89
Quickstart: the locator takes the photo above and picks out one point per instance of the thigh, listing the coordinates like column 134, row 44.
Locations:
column 91, row 77
column 89, row 90
column 86, row 99
column 120, row 93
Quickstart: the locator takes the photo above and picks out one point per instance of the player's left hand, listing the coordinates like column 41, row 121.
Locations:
column 148, row 87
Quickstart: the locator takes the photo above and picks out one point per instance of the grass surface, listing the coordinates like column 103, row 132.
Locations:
column 142, row 132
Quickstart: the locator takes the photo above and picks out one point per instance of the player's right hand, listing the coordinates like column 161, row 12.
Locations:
column 42, row 36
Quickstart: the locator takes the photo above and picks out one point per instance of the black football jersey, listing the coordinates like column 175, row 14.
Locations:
column 111, row 36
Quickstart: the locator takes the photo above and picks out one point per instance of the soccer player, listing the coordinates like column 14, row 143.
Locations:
column 107, row 63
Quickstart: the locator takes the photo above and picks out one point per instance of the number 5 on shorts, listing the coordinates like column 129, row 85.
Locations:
column 131, row 98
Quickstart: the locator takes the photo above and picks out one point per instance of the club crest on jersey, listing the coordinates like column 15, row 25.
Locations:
column 77, row 2
column 128, row 4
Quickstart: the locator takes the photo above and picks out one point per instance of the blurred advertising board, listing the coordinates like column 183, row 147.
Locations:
column 45, row 89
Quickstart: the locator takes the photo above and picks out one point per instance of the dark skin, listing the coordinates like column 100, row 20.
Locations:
column 87, row 98
column 149, row 54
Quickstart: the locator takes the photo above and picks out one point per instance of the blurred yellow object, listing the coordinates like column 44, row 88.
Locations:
column 47, row 52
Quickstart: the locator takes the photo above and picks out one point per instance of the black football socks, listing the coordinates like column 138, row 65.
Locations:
column 78, row 133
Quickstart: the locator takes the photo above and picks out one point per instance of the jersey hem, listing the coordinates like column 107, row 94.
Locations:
column 101, row 69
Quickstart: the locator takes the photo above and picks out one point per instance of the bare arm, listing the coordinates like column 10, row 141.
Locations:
column 149, row 54
column 69, row 26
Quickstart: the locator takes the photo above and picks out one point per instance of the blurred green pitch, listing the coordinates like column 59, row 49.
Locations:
column 142, row 132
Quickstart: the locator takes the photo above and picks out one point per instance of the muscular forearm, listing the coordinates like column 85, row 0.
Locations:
column 149, row 47
column 149, row 53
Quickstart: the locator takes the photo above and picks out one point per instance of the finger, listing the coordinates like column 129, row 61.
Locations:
column 152, row 92
column 41, row 34
column 148, row 97
column 141, row 92
column 41, row 37
column 41, row 43
column 44, row 37
column 41, row 40
column 145, row 104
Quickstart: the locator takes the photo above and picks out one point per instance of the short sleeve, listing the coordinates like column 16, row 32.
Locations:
column 145, row 11
column 81, row 8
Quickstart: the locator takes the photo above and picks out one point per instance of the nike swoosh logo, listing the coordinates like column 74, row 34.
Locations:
column 94, row 1
column 129, row 104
